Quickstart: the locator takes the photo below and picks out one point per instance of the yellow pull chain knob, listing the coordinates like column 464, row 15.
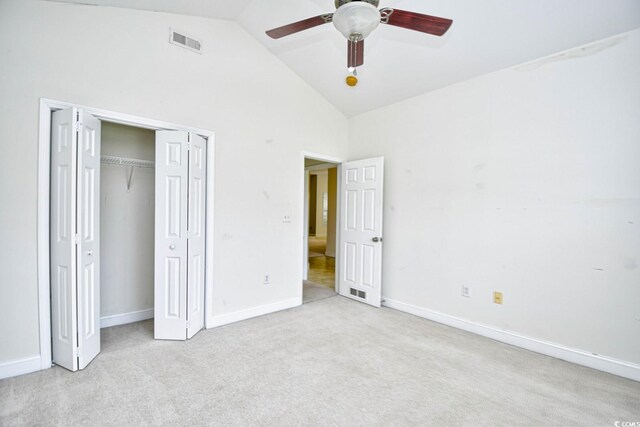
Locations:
column 352, row 81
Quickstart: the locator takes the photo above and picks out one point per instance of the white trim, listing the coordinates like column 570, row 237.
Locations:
column 322, row 157
column 579, row 357
column 236, row 316
column 124, row 318
column 21, row 367
column 44, row 156
column 123, row 118
column 44, row 165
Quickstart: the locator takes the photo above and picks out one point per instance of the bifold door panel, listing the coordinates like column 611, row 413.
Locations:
column 75, row 238
column 179, row 242
column 196, row 233
column 88, row 248
column 361, row 230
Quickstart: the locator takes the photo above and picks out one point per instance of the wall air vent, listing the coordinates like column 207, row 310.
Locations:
column 182, row 40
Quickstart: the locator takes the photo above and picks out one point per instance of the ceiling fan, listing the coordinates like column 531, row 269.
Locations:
column 356, row 19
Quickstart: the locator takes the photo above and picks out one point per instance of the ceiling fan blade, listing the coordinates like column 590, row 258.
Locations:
column 295, row 27
column 415, row 21
column 355, row 53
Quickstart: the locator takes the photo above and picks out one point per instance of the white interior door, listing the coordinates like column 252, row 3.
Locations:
column 170, row 282
column 196, row 233
column 75, row 238
column 88, row 253
column 360, row 264
column 64, row 337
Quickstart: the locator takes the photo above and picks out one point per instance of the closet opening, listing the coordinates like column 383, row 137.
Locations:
column 127, row 211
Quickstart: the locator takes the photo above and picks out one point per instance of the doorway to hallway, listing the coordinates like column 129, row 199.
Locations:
column 320, row 218
column 350, row 233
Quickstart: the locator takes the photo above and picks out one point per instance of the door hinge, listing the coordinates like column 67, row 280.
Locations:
column 76, row 239
column 188, row 324
column 78, row 126
column 76, row 352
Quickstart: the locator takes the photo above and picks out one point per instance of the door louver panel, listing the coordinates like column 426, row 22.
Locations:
column 357, row 293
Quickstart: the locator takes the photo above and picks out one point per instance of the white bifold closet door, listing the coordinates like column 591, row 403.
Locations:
column 75, row 238
column 361, row 191
column 180, row 234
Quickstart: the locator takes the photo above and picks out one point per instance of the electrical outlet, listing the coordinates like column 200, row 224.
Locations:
column 466, row 291
column 497, row 297
column 267, row 279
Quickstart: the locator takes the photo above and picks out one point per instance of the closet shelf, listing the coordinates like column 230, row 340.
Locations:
column 131, row 163
column 123, row 161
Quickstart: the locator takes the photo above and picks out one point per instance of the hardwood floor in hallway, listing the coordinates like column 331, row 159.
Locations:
column 322, row 271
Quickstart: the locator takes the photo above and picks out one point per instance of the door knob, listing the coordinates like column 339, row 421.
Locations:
column 172, row 247
column 377, row 239
column 89, row 253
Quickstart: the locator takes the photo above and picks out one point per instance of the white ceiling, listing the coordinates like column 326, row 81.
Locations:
column 486, row 36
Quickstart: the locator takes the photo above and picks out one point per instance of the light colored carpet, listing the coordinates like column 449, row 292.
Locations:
column 312, row 292
column 332, row 362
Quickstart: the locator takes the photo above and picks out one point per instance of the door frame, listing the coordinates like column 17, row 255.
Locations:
column 47, row 106
column 305, row 212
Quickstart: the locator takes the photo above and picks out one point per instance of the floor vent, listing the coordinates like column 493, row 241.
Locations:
column 357, row 293
column 184, row 41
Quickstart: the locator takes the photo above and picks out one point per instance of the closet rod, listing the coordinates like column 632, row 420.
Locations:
column 113, row 160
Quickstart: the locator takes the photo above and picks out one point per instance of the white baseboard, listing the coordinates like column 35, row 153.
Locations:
column 236, row 316
column 20, row 367
column 124, row 318
column 580, row 357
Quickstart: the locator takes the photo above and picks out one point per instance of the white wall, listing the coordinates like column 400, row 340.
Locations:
column 120, row 60
column 526, row 182
column 126, row 222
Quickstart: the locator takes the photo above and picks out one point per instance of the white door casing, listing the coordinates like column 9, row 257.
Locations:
column 360, row 264
column 62, row 238
column 170, row 282
column 88, row 252
column 75, row 238
column 196, row 233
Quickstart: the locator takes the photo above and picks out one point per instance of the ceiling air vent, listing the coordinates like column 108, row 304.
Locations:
column 182, row 40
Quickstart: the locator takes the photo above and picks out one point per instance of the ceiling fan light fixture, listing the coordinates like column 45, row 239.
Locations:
column 356, row 20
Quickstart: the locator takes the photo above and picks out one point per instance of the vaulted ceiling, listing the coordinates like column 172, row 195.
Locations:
column 486, row 36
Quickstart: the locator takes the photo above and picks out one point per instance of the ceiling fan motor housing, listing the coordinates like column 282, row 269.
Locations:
column 341, row 2
column 356, row 20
